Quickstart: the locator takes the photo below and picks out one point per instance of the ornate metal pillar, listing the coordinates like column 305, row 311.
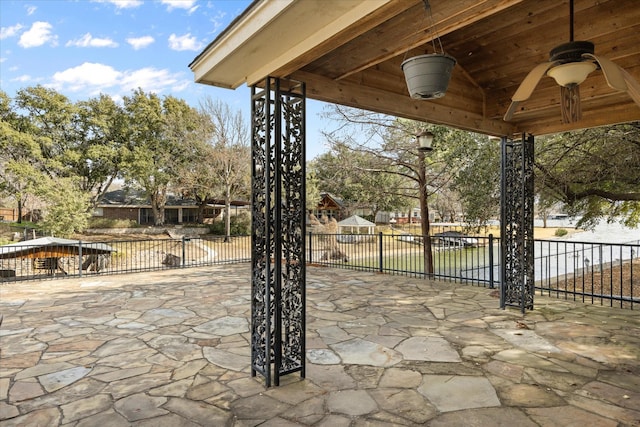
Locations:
column 278, row 229
column 516, row 224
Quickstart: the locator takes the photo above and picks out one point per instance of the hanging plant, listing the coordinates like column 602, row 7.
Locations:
column 427, row 76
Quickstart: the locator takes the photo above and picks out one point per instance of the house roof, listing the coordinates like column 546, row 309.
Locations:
column 355, row 221
column 339, row 202
column 137, row 198
column 350, row 52
column 52, row 246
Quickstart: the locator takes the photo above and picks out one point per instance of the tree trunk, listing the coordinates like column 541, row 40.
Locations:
column 426, row 235
column 19, row 210
column 227, row 216
column 201, row 206
column 158, row 201
column 424, row 219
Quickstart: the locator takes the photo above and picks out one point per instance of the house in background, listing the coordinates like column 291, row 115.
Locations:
column 135, row 206
column 11, row 214
column 330, row 206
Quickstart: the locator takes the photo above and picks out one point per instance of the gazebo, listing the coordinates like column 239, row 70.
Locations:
column 356, row 225
column 351, row 52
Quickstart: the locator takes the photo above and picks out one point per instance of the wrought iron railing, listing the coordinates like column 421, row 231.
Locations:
column 27, row 261
column 598, row 273
column 455, row 258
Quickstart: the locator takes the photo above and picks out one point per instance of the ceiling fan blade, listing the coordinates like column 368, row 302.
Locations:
column 612, row 72
column 512, row 109
column 531, row 81
column 526, row 88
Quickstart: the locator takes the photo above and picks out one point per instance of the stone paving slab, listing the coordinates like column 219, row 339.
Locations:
column 172, row 348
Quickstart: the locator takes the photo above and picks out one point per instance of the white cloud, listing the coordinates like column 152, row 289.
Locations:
column 88, row 76
column 9, row 31
column 22, row 79
column 122, row 4
column 2, row 59
column 140, row 42
column 181, row 4
column 218, row 21
column 31, row 10
column 89, row 41
column 94, row 78
column 186, row 42
column 149, row 78
column 37, row 35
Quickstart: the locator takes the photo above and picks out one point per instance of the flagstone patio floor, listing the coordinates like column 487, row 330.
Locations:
column 172, row 348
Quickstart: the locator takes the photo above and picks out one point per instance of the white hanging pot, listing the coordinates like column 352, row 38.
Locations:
column 428, row 75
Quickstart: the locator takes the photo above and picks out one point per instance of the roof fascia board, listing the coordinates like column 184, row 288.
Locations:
column 259, row 19
column 312, row 40
column 260, row 15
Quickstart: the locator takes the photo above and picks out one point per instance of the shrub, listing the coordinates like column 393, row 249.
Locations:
column 240, row 225
column 561, row 232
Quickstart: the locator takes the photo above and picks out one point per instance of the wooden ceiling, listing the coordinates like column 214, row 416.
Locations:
column 495, row 42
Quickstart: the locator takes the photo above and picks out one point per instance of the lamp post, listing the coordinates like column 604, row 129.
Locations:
column 425, row 141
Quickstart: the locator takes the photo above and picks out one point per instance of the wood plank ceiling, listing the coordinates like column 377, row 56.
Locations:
column 495, row 42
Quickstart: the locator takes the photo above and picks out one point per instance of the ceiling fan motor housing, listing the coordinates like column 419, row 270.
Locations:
column 571, row 51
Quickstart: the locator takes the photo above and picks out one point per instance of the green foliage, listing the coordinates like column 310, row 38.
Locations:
column 240, row 226
column 161, row 136
column 312, row 188
column 154, row 144
column 477, row 181
column 99, row 153
column 561, row 232
column 380, row 163
column 67, row 210
column 593, row 172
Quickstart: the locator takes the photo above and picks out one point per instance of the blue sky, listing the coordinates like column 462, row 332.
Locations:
column 83, row 48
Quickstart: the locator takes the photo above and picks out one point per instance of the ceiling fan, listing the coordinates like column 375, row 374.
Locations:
column 569, row 65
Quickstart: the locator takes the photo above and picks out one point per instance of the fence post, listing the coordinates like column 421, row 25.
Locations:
column 80, row 258
column 310, row 247
column 380, row 259
column 184, row 240
column 491, row 286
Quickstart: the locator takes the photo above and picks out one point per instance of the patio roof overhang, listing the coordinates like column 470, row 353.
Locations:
column 350, row 52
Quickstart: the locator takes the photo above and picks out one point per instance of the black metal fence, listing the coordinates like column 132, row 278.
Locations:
column 24, row 261
column 455, row 257
column 597, row 273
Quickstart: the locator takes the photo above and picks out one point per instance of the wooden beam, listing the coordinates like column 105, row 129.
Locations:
column 591, row 117
column 359, row 96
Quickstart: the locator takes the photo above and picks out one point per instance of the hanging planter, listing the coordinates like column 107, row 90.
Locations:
column 428, row 76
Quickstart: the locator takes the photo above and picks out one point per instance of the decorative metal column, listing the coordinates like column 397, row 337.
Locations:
column 516, row 224
column 278, row 229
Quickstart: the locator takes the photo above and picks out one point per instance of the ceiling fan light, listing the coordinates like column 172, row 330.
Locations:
column 571, row 73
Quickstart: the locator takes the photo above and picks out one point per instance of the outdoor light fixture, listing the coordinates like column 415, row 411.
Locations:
column 425, row 139
column 571, row 73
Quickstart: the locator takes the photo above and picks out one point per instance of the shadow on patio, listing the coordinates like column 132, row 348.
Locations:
column 171, row 348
